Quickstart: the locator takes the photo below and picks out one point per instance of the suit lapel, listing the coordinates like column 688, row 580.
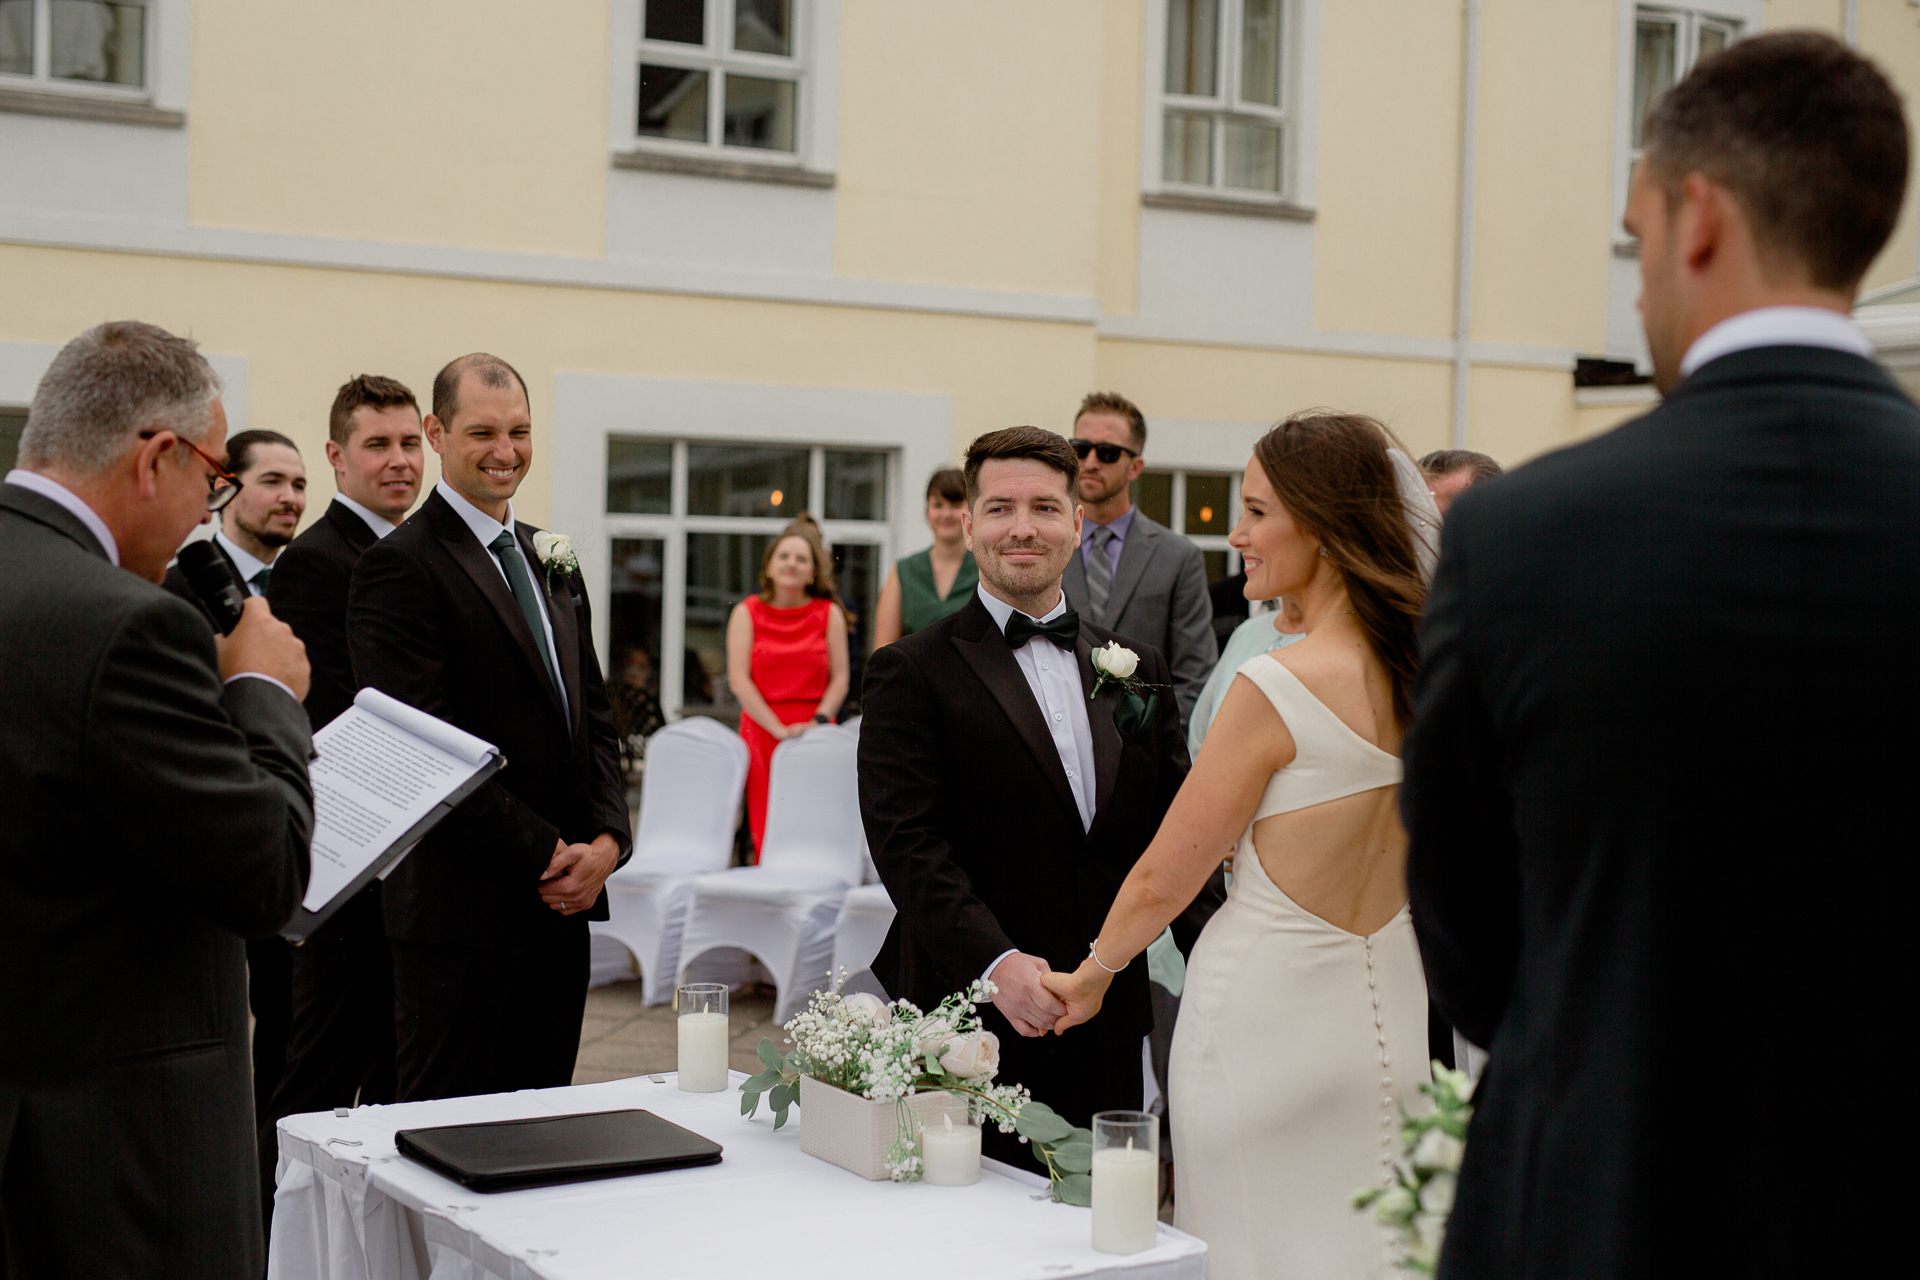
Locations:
column 565, row 620
column 1134, row 554
column 985, row 650
column 480, row 566
column 351, row 527
column 1106, row 737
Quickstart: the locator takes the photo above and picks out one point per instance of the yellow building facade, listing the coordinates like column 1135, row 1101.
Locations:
column 760, row 256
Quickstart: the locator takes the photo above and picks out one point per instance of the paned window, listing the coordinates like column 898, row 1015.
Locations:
column 1223, row 97
column 720, row 76
column 75, row 44
column 689, row 520
column 1200, row 504
column 1666, row 44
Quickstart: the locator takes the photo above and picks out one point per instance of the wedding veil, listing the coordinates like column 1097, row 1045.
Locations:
column 1423, row 516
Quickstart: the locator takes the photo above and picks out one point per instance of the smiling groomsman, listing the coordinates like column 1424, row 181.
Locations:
column 456, row 614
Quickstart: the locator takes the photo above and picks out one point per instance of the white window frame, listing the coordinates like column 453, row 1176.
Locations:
column 1177, row 514
column 1224, row 106
column 719, row 59
column 42, row 79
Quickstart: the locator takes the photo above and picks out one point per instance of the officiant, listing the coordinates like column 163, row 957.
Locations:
column 1007, row 789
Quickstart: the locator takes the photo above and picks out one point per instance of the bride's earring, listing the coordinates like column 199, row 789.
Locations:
column 1323, row 554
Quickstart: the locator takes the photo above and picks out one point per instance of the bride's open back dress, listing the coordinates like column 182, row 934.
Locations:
column 1297, row 1042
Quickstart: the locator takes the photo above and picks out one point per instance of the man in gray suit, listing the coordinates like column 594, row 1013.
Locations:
column 1134, row 576
column 157, row 811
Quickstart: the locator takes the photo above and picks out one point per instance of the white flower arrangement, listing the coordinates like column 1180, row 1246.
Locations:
column 556, row 554
column 863, row 1045
column 1416, row 1196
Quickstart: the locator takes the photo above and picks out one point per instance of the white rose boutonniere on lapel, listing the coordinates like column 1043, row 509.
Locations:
column 1114, row 663
column 556, row 555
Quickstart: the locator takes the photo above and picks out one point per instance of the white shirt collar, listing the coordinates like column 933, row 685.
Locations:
column 54, row 491
column 1002, row 611
column 1777, row 327
column 484, row 526
column 245, row 561
column 380, row 525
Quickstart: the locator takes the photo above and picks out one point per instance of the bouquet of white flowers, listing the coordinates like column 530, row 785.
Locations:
column 1415, row 1198
column 882, row 1051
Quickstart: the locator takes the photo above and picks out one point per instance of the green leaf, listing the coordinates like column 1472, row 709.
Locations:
column 1075, row 1188
column 1073, row 1157
column 784, row 1096
column 749, row 1102
column 1040, row 1123
column 761, row 1082
column 779, row 1115
column 770, row 1056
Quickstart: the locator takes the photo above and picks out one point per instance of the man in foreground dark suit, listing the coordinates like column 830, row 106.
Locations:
column 1660, row 770
column 1003, row 807
column 340, row 1047
column 456, row 613
column 154, row 782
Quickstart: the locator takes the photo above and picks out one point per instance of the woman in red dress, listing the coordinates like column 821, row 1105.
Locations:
column 786, row 656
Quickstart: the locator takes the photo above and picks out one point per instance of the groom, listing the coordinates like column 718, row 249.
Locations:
column 1004, row 805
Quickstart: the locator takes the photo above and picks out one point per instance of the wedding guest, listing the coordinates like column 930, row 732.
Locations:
column 158, row 811
column 636, row 705
column 786, row 656
column 340, row 1046
column 1134, row 576
column 457, row 613
column 1303, row 1023
column 1450, row 472
column 928, row 585
column 1002, row 802
column 1262, row 633
column 1658, row 778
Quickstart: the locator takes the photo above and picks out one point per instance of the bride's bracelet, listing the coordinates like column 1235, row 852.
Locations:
column 1093, row 950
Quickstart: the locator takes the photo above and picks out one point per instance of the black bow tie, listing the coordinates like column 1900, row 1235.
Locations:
column 1063, row 630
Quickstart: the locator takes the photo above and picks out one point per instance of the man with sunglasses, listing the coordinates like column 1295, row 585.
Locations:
column 158, row 811
column 1133, row 575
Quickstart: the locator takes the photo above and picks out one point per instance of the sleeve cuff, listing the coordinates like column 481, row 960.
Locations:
column 986, row 975
column 261, row 675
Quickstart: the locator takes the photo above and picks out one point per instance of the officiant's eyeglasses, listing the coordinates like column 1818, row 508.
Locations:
column 1107, row 453
column 222, row 486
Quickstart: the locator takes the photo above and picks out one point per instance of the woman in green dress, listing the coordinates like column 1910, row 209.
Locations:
column 926, row 587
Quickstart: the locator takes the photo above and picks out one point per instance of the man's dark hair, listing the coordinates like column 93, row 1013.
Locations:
column 1020, row 442
column 1120, row 407
column 365, row 391
column 1444, row 462
column 491, row 371
column 240, row 447
column 948, row 483
column 1806, row 134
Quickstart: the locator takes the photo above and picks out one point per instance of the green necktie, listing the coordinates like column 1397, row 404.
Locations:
column 507, row 551
column 260, row 579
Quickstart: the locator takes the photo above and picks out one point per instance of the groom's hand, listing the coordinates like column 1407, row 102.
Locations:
column 1023, row 998
column 575, row 873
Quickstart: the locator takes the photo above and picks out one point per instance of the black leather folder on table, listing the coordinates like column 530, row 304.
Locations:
column 506, row 1155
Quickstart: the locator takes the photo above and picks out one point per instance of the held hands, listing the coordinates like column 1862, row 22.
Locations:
column 573, row 877
column 1022, row 997
column 1081, row 993
column 261, row 644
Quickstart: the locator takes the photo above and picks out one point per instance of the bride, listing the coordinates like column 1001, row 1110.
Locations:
column 1303, row 1026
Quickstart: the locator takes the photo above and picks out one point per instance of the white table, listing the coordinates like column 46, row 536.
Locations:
column 362, row 1212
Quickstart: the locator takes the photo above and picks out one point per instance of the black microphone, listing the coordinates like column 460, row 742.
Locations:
column 213, row 580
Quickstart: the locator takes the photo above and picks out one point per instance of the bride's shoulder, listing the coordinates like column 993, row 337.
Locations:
column 1324, row 667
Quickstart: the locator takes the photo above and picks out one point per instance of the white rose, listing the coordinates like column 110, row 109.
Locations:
column 1116, row 660
column 931, row 1034
column 870, row 1007
column 972, row 1055
column 1439, row 1150
column 1432, row 1229
column 551, row 547
column 1437, row 1195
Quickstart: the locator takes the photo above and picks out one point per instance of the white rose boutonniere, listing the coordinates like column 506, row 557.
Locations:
column 556, row 554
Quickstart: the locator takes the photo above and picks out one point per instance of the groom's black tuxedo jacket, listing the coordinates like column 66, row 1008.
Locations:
column 1658, row 788
column 972, row 823
column 433, row 623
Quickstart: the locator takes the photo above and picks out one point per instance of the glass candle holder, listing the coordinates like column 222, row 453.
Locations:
column 703, row 1037
column 1126, row 1181
column 950, row 1144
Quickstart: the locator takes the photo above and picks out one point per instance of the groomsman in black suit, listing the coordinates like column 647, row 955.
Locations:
column 1002, row 805
column 459, row 614
column 340, row 1047
column 1658, row 836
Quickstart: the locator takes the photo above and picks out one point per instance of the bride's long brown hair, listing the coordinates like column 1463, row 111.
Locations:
column 1331, row 472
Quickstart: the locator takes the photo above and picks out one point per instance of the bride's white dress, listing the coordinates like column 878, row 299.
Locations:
column 1297, row 1042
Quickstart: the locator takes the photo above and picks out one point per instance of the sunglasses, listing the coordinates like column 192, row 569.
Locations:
column 1107, row 453
column 222, row 486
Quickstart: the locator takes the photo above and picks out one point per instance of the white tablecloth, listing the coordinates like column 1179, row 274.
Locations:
column 362, row 1212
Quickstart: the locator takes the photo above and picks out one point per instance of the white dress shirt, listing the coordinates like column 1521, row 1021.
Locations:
column 1776, row 327
column 486, row 528
column 1054, row 676
column 380, row 525
column 245, row 561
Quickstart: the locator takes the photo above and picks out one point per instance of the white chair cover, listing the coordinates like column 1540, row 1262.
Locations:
column 865, row 917
column 783, row 910
column 689, row 807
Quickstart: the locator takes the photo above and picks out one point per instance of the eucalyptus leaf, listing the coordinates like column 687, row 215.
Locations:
column 761, row 1081
column 1074, row 1188
column 770, row 1056
column 749, row 1102
column 1073, row 1157
column 1040, row 1123
column 784, row 1096
column 779, row 1117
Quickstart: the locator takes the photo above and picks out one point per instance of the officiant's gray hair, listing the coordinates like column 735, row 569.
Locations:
column 111, row 383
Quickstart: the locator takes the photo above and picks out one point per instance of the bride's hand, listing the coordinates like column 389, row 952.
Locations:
column 1082, row 991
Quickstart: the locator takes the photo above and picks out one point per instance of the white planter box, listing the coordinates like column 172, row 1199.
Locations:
column 853, row 1132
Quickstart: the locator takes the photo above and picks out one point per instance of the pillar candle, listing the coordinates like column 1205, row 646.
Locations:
column 1126, row 1199
column 950, row 1153
column 703, row 1052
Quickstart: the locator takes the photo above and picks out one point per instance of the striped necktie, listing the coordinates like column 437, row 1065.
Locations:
column 1099, row 577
